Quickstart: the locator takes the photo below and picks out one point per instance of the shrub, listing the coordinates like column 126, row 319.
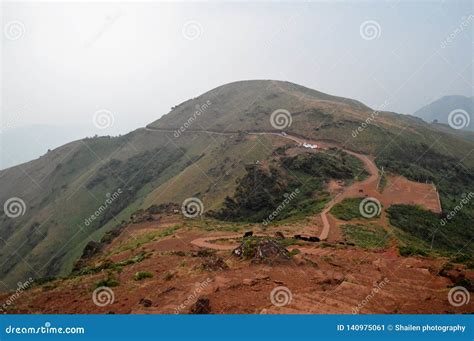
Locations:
column 108, row 282
column 406, row 251
column 142, row 275
column 168, row 276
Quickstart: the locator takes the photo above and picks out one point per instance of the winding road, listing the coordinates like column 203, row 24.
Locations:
column 369, row 184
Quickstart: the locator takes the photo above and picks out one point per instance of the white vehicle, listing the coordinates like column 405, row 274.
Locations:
column 311, row 146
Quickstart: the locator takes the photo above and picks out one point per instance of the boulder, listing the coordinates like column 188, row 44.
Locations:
column 202, row 306
column 262, row 250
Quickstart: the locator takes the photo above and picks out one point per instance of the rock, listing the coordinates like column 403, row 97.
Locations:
column 141, row 216
column 202, row 306
column 249, row 281
column 145, row 302
column 214, row 264
column 299, row 259
column 260, row 250
column 91, row 249
column 424, row 271
column 248, row 234
column 452, row 274
column 279, row 235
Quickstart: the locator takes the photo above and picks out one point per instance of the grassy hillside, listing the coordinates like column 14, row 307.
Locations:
column 147, row 167
column 63, row 189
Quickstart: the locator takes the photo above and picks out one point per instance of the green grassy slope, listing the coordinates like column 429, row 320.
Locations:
column 67, row 185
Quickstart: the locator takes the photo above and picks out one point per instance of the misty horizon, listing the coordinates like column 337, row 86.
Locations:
column 136, row 61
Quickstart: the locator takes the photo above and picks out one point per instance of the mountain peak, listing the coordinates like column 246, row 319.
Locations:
column 248, row 104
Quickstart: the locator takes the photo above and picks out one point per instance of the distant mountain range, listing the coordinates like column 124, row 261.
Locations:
column 439, row 112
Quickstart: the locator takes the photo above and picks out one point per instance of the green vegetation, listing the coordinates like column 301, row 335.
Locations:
column 464, row 282
column 406, row 251
column 334, row 164
column 420, row 162
column 142, row 275
column 108, row 265
column 59, row 207
column 467, row 259
column 382, row 182
column 291, row 187
column 110, row 281
column 427, row 226
column 366, row 236
column 250, row 245
column 348, row 209
column 135, row 172
column 294, row 252
column 145, row 238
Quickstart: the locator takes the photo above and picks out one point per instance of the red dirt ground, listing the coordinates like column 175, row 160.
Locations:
column 331, row 279
column 323, row 278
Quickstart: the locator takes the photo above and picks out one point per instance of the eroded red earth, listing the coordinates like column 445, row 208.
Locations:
column 329, row 278
column 326, row 277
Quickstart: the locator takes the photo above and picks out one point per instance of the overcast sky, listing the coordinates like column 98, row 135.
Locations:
column 62, row 62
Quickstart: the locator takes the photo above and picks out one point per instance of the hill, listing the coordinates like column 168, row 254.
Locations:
column 212, row 147
column 439, row 111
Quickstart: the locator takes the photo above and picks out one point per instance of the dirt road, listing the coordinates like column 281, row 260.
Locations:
column 369, row 184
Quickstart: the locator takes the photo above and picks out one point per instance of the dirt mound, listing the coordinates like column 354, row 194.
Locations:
column 262, row 250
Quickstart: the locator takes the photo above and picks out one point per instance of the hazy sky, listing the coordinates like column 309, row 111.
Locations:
column 64, row 61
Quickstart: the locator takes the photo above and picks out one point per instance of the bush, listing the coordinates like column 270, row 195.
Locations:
column 262, row 190
column 142, row 275
column 108, row 282
column 406, row 251
column 422, row 224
